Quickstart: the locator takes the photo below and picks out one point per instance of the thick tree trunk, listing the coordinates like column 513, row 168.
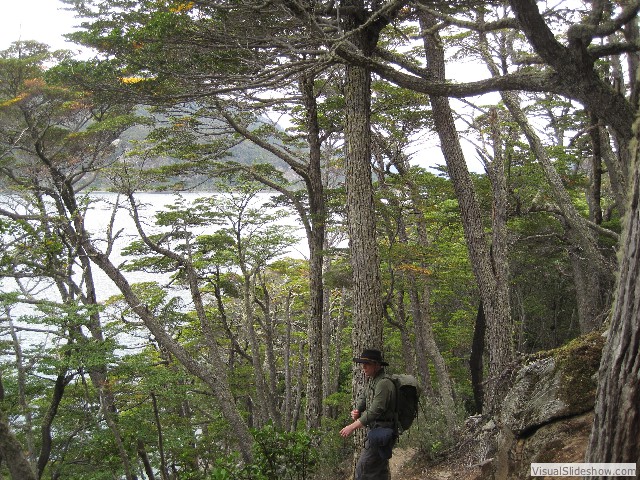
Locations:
column 367, row 298
column 367, row 310
column 616, row 429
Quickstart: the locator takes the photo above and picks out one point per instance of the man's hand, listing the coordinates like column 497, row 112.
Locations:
column 348, row 430
column 355, row 414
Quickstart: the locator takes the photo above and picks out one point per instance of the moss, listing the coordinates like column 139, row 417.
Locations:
column 578, row 361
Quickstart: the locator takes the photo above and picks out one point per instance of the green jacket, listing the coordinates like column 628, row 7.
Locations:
column 376, row 402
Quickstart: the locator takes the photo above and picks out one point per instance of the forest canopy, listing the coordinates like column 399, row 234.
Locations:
column 242, row 366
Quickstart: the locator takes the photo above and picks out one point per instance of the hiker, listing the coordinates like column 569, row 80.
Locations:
column 375, row 410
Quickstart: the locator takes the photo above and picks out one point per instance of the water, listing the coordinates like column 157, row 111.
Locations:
column 97, row 220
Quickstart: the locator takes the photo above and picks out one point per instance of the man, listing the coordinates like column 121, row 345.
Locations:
column 375, row 409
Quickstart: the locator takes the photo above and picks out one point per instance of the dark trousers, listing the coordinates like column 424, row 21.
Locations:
column 373, row 463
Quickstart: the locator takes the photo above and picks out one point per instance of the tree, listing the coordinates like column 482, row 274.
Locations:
column 56, row 138
column 488, row 260
column 616, row 426
column 153, row 24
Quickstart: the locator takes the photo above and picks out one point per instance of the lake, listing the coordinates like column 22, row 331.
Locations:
column 97, row 219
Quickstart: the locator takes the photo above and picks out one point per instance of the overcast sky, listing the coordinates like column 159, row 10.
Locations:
column 41, row 20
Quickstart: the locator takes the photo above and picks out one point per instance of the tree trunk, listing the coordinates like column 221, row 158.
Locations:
column 269, row 327
column 327, row 343
column 615, row 170
column 263, row 411
column 409, row 353
column 367, row 298
column 11, row 451
column 286, row 359
column 475, row 360
column 62, row 380
column 164, row 474
column 594, row 193
column 22, row 389
column 299, row 386
column 616, row 428
column 445, row 386
column 144, row 458
column 493, row 289
column 316, row 233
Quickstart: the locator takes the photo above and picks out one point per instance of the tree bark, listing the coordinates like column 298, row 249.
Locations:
column 594, row 193
column 615, row 436
column 12, row 452
column 367, row 298
column 62, row 380
column 475, row 360
column 164, row 474
column 144, row 458
column 316, row 233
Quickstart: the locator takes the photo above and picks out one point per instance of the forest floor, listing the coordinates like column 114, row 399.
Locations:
column 565, row 442
column 407, row 465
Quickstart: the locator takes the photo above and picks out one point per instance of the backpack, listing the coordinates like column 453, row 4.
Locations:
column 407, row 397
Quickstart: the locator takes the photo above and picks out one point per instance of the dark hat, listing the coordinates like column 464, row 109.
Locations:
column 371, row 356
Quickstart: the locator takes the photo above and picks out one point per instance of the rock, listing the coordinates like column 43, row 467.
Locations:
column 562, row 441
column 557, row 386
column 490, row 425
column 546, row 417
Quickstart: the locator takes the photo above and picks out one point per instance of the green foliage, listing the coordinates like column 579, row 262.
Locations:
column 157, row 52
column 431, row 435
column 284, row 455
column 278, row 455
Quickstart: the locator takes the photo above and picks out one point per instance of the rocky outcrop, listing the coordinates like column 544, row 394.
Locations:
column 546, row 416
column 556, row 386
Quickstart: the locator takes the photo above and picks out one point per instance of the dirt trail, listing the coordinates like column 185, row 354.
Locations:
column 401, row 456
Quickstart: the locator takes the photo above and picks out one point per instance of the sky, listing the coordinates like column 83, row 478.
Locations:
column 41, row 20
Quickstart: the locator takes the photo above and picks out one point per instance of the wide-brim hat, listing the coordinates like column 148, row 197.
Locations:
column 371, row 356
